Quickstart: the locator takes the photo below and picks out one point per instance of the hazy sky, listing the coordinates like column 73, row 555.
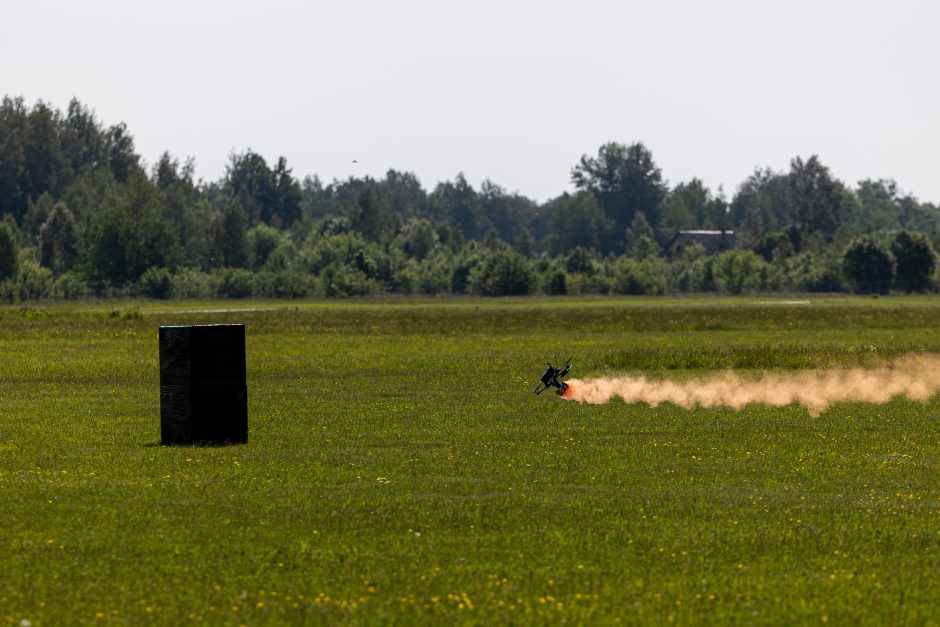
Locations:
column 514, row 91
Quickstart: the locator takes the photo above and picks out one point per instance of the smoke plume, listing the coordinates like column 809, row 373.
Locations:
column 916, row 376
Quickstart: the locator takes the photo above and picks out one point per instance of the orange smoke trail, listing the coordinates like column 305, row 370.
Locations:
column 916, row 376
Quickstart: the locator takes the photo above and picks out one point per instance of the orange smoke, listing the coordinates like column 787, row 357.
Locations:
column 916, row 376
column 568, row 393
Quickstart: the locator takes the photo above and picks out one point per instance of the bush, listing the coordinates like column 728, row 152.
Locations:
column 283, row 284
column 340, row 281
column 502, row 273
column 813, row 273
column 70, row 286
column 869, row 265
column 8, row 253
column 156, row 283
column 638, row 277
column 738, row 271
column 915, row 261
column 191, row 283
column 32, row 282
column 232, row 283
column 558, row 283
column 774, row 245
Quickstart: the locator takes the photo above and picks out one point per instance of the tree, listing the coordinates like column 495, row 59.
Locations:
column 624, row 180
column 417, row 238
column 524, row 243
column 58, row 240
column 915, row 261
column 129, row 234
column 761, row 204
column 641, row 241
column 577, row 221
column 869, row 265
column 249, row 180
column 262, row 241
column 289, row 194
column 774, row 245
column 366, row 217
column 509, row 214
column 228, row 235
column 692, row 205
column 45, row 166
column 13, row 117
column 502, row 273
column 82, row 138
column 459, row 204
column 9, row 252
column 401, row 193
column 878, row 205
column 119, row 147
column 816, row 197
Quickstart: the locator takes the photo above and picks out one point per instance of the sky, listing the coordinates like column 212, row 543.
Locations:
column 514, row 91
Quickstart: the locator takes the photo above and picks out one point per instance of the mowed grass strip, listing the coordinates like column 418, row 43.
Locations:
column 399, row 470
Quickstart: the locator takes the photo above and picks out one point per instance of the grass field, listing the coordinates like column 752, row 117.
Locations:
column 399, row 470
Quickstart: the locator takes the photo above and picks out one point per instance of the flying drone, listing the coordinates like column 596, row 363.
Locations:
column 551, row 378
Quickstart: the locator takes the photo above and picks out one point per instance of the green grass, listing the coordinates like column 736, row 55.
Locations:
column 399, row 470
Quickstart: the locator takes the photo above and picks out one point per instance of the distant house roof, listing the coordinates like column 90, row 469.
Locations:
column 714, row 242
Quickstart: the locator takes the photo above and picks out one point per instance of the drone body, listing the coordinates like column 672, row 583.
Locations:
column 551, row 378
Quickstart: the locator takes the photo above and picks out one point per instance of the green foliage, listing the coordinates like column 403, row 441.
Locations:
column 75, row 197
column 639, row 277
column 761, row 205
column 130, row 235
column 268, row 196
column 366, row 218
column 810, row 272
column 9, row 252
column 558, row 283
column 502, row 273
column 693, row 270
column 625, row 181
column 156, row 283
column 232, row 282
column 32, row 282
column 191, row 283
column 458, row 204
column 340, row 281
column 577, row 221
column 58, row 240
column 774, row 246
column 815, row 197
column 738, row 271
column 915, row 261
column 430, row 276
column 417, row 238
column 283, row 284
column 869, row 265
column 262, row 241
column 342, row 250
column 70, row 286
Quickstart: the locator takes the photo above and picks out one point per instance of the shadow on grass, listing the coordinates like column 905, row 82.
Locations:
column 196, row 444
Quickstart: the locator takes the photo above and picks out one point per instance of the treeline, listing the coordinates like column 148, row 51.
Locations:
column 83, row 216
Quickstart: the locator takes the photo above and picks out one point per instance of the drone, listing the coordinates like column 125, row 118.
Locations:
column 550, row 379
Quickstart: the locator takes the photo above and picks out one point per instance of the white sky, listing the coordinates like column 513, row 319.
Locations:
column 511, row 90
